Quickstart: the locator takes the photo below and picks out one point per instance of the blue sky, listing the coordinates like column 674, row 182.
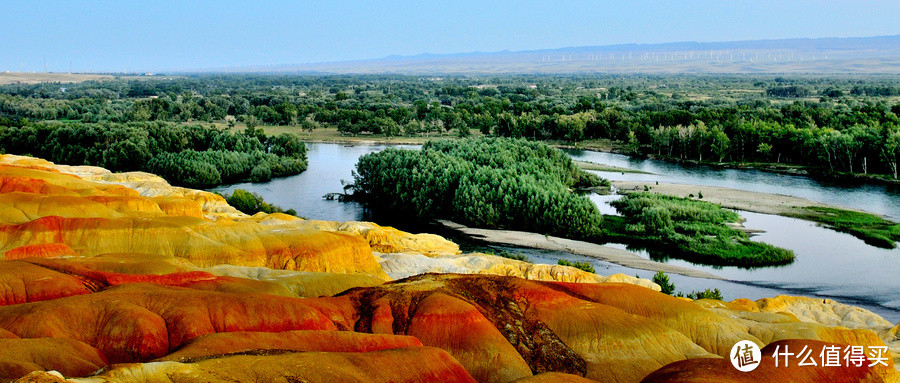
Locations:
column 178, row 35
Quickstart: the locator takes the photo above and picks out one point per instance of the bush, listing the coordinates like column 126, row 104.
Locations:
column 788, row 91
column 585, row 266
column 261, row 173
column 192, row 172
column 515, row 256
column 661, row 279
column 657, row 220
column 287, row 145
column 705, row 294
column 252, row 203
column 668, row 288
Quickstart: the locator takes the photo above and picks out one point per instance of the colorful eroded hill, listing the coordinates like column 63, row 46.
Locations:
column 121, row 277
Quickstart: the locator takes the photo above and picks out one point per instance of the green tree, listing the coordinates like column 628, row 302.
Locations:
column 251, row 121
column 309, row 124
column 287, row 145
column 661, row 279
column 462, row 130
column 890, row 152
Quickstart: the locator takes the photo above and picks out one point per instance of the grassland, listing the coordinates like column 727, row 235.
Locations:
column 689, row 229
column 331, row 134
column 870, row 228
column 765, row 203
column 37, row 78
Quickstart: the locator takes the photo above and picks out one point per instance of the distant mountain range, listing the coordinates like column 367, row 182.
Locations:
column 822, row 55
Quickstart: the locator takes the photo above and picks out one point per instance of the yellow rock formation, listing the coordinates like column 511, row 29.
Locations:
column 390, row 240
column 299, row 283
column 402, row 265
column 829, row 320
column 411, row 364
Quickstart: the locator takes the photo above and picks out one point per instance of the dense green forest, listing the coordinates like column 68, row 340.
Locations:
column 189, row 155
column 486, row 182
column 829, row 124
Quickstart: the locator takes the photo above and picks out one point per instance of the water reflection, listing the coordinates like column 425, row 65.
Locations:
column 827, row 263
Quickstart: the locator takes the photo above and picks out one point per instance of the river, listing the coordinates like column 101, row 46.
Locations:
column 875, row 198
column 828, row 264
column 329, row 165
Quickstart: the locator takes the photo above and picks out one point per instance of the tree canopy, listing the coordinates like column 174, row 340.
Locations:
column 485, row 182
column 188, row 155
column 797, row 120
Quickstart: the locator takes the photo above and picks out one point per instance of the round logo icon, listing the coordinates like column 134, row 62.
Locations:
column 745, row 356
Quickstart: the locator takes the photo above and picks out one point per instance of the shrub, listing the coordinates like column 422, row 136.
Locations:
column 585, row 266
column 515, row 256
column 706, row 294
column 261, row 173
column 185, row 155
column 252, row 203
column 287, row 145
column 661, row 279
column 657, row 220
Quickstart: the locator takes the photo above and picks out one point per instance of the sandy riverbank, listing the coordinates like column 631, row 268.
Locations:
column 593, row 250
column 765, row 203
column 587, row 165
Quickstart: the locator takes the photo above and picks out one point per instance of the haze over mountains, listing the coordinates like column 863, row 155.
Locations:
column 858, row 55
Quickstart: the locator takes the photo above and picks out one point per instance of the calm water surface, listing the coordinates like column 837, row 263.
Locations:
column 730, row 289
column 828, row 264
column 329, row 165
column 874, row 198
